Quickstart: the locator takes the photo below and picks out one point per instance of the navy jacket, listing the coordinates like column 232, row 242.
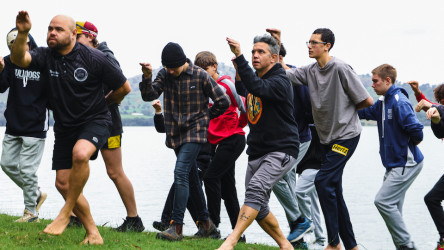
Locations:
column 400, row 130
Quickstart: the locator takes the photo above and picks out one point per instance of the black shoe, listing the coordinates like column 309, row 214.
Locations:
column 407, row 247
column 161, row 225
column 300, row 244
column 131, row 224
column 74, row 222
column 242, row 239
column 207, row 229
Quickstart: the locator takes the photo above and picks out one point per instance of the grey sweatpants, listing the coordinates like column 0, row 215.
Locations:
column 309, row 202
column 390, row 199
column 20, row 160
column 285, row 191
column 261, row 175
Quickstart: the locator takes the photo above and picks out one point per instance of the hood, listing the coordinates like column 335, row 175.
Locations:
column 104, row 48
column 224, row 77
column 395, row 89
column 32, row 43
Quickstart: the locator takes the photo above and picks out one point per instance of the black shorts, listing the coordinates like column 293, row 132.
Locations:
column 113, row 142
column 96, row 132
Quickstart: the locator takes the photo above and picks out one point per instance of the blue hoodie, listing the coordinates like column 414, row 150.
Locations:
column 26, row 110
column 399, row 131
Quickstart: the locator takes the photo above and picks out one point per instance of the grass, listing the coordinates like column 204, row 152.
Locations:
column 30, row 236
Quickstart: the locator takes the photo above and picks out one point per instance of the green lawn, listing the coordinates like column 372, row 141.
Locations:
column 30, row 236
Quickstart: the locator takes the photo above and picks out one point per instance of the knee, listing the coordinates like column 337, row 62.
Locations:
column 180, row 178
column 112, row 174
column 62, row 186
column 80, row 156
column 379, row 203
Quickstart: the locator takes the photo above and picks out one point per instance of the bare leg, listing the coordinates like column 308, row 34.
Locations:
column 271, row 227
column 246, row 217
column 82, row 152
column 113, row 162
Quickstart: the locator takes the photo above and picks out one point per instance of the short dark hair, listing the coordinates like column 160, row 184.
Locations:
column 273, row 44
column 95, row 42
column 282, row 50
column 439, row 92
column 326, row 36
column 384, row 71
column 204, row 59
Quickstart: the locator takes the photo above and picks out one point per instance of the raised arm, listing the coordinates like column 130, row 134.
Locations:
column 147, row 90
column 19, row 55
column 418, row 94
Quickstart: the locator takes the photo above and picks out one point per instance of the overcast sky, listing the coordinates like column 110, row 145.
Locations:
column 407, row 34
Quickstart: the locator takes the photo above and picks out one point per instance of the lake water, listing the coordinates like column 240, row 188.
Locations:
column 149, row 165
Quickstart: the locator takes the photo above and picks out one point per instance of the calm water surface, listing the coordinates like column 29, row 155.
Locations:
column 149, row 165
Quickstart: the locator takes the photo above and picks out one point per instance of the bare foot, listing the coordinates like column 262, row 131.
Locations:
column 57, row 226
column 92, row 239
column 288, row 246
column 228, row 244
column 337, row 247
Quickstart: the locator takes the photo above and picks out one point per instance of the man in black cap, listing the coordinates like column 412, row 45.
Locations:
column 186, row 91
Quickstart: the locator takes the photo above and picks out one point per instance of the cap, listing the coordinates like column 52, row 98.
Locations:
column 12, row 35
column 86, row 28
column 173, row 56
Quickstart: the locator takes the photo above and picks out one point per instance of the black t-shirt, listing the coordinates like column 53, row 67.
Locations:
column 76, row 81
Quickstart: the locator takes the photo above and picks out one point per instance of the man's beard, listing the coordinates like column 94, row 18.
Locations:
column 60, row 44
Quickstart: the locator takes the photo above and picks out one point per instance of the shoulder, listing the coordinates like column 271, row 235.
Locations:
column 201, row 74
column 341, row 65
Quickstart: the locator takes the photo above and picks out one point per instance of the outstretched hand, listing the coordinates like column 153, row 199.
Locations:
column 147, row 70
column 415, row 87
column 276, row 33
column 234, row 46
column 433, row 114
column 423, row 105
column 23, row 22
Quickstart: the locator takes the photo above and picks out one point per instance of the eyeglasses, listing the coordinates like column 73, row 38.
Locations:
column 314, row 43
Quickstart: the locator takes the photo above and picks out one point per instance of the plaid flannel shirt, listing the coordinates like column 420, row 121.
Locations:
column 185, row 101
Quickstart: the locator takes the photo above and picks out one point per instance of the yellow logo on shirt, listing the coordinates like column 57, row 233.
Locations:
column 254, row 108
column 339, row 149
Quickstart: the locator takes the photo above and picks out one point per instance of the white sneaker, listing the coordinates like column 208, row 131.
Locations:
column 40, row 199
column 28, row 217
column 317, row 245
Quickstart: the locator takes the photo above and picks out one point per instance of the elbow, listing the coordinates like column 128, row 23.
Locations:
column 366, row 103
column 127, row 90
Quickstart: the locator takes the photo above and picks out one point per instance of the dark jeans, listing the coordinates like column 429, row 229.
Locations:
column 329, row 187
column 220, row 182
column 203, row 160
column 433, row 201
column 186, row 181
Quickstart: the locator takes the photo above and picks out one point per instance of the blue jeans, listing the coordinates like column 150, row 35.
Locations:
column 186, row 167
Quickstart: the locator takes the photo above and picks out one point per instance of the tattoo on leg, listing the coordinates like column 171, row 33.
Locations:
column 243, row 217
